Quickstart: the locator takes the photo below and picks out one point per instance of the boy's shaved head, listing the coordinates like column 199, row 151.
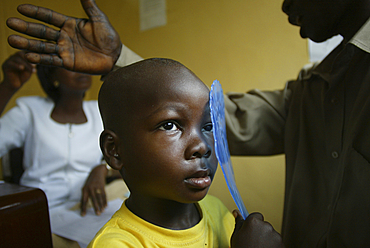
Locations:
column 132, row 88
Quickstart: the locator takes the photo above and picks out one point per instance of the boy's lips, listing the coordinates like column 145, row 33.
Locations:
column 199, row 180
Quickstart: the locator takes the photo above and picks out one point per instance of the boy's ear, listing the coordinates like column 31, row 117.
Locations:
column 109, row 146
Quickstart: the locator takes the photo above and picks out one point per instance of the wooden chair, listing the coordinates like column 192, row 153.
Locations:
column 12, row 164
column 24, row 217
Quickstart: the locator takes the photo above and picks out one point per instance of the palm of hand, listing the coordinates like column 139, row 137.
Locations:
column 83, row 44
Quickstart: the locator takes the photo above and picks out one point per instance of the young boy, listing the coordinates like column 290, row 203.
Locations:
column 158, row 134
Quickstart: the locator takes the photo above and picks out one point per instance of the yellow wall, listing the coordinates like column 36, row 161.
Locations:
column 243, row 43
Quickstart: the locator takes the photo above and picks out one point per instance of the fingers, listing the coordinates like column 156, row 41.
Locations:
column 236, row 213
column 18, row 62
column 254, row 232
column 84, row 199
column 99, row 201
column 36, row 47
column 33, row 29
column 256, row 215
column 239, row 220
column 44, row 59
column 43, row 14
column 32, row 45
column 17, row 70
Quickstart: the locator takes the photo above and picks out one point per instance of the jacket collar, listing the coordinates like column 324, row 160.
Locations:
column 342, row 53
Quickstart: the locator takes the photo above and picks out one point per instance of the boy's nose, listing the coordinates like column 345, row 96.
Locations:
column 198, row 147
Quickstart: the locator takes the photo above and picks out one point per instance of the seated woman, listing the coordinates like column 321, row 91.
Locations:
column 59, row 134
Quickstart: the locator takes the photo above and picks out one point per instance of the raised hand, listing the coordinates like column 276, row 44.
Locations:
column 83, row 45
column 254, row 232
column 17, row 71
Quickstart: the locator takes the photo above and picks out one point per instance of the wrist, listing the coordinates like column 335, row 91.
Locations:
column 6, row 94
column 7, row 87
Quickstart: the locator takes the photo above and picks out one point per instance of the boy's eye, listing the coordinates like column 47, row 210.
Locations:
column 208, row 127
column 169, row 126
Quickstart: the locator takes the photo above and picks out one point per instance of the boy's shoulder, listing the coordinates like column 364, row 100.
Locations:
column 210, row 202
column 218, row 216
column 128, row 230
column 216, row 212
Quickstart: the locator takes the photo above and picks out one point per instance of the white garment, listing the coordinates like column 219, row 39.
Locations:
column 57, row 157
column 126, row 57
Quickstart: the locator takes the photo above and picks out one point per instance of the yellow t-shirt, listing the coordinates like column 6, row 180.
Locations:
column 125, row 229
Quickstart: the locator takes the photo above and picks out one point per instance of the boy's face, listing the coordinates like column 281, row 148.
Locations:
column 319, row 19
column 168, row 151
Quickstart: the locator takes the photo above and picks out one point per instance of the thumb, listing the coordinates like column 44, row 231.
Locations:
column 239, row 220
column 92, row 10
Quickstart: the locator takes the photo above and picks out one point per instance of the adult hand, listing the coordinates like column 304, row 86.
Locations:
column 94, row 189
column 254, row 232
column 17, row 71
column 83, row 45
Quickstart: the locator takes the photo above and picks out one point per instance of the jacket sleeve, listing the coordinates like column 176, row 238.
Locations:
column 255, row 121
column 127, row 57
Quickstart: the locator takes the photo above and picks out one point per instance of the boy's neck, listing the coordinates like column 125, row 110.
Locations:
column 165, row 213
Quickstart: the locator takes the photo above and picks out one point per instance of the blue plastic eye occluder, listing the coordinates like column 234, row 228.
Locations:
column 217, row 107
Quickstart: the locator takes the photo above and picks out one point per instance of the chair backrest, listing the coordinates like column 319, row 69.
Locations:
column 12, row 164
column 24, row 217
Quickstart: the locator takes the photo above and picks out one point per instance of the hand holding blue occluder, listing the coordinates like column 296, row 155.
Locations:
column 217, row 107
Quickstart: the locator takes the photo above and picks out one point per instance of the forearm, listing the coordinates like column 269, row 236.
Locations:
column 6, row 94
